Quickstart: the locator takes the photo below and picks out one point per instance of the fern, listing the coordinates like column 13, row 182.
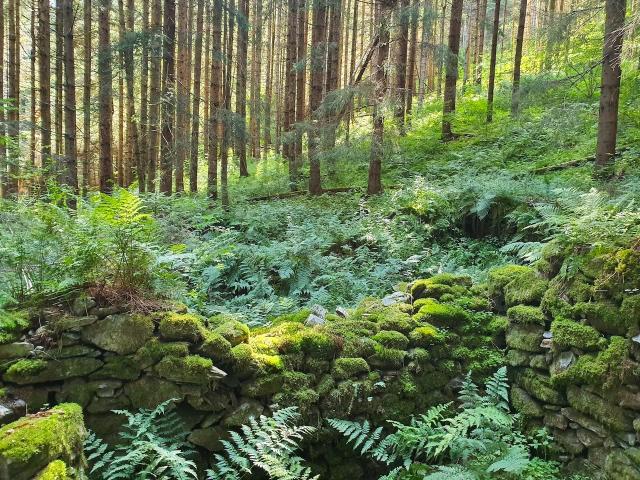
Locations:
column 267, row 444
column 154, row 447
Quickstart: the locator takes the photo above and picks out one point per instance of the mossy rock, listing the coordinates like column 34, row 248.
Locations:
column 526, row 315
column 358, row 347
column 120, row 368
column 475, row 304
column 344, row 368
column 216, row 347
column 604, row 317
column 524, row 404
column 30, row 444
column 554, row 302
column 499, row 277
column 36, row 371
column 242, row 413
column 56, row 470
column 234, row 332
column 387, row 358
column 600, row 409
column 442, row 315
column 516, row 284
column 539, row 386
column 623, row 464
column 122, row 334
column 570, row 334
column 149, row 392
column 426, row 336
column 429, row 289
column 189, row 369
column 525, row 337
column 154, row 350
column 12, row 325
column 263, row 386
column 517, row 358
column 630, row 312
column 181, row 326
column 314, row 342
column 391, row 339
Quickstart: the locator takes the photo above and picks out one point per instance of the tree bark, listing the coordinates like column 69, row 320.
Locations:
column 517, row 62
column 610, row 82
column 492, row 62
column 333, row 73
column 268, row 94
column 401, row 65
column 288, row 148
column 32, row 59
column 374, row 181
column 167, row 140
column 3, row 149
column 241, row 86
column 70, row 142
column 301, row 75
column 44, row 75
column 155, row 52
column 86, row 97
column 441, row 43
column 411, row 63
column 195, row 111
column 452, row 69
column 106, row 96
column 144, row 102
column 182, row 94
column 256, row 79
column 59, row 81
column 215, row 91
column 226, row 138
column 481, row 30
column 13, row 97
column 318, row 36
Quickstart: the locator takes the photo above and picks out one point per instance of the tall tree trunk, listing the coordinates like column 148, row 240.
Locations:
column 32, row 59
column 288, row 148
column 301, row 75
column 452, row 69
column 241, row 85
column 268, row 94
column 256, row 79
column 352, row 62
column 143, row 134
column 106, row 96
column 424, row 50
column 318, row 36
column 441, row 43
column 610, row 82
column 374, row 181
column 226, row 138
column 59, row 83
column 44, row 75
column 411, row 63
column 70, row 142
column 216, row 93
column 3, row 150
column 333, row 74
column 155, row 51
column 167, row 140
column 482, row 19
column 517, row 62
column 13, row 98
column 492, row 62
column 86, row 97
column 207, row 70
column 195, row 113
column 182, row 94
column 401, row 64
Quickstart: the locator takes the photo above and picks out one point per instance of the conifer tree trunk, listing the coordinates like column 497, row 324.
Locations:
column 492, row 62
column 86, row 97
column 482, row 18
column 288, row 148
column 106, row 96
column 268, row 93
column 70, row 142
column 333, row 72
column 610, row 82
column 451, row 69
column 441, row 42
column 401, row 64
column 424, row 51
column 155, row 52
column 32, row 59
column 241, row 85
column 317, row 60
column 301, row 75
column 352, row 61
column 411, row 63
column 44, row 75
column 13, row 97
column 3, row 151
column 215, row 91
column 182, row 94
column 59, row 83
column 195, row 115
column 167, row 140
column 374, row 182
column 226, row 138
column 144, row 102
column 256, row 79
column 517, row 62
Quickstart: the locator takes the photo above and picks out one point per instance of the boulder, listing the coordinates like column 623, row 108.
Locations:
column 241, row 414
column 55, row 370
column 121, row 334
column 15, row 350
column 149, row 392
column 81, row 305
column 209, row 438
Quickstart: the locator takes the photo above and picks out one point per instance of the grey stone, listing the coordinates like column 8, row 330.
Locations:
column 568, row 440
column 57, row 370
column 242, row 413
column 342, row 312
column 73, row 351
column 122, row 334
column 314, row 320
column 319, row 311
column 107, row 388
column 149, row 392
column 588, row 438
column 103, row 405
column 628, row 399
column 627, row 439
column 73, row 324
column 585, row 421
column 211, row 419
column 395, row 298
column 102, row 312
column 15, row 350
column 208, row 438
column 82, row 305
column 555, row 420
column 562, row 361
column 11, row 409
column 547, row 335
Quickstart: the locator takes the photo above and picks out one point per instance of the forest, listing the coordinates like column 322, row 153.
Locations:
column 319, row 240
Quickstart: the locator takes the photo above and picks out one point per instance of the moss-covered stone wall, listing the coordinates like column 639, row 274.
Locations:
column 386, row 359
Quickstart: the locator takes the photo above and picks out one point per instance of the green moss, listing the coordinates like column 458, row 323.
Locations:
column 344, row 368
column 517, row 358
column 554, row 302
column 49, row 435
column 178, row 326
column 387, row 357
column 605, row 317
column 391, row 339
column 603, row 411
column 234, row 331
column 516, row 284
column 394, row 317
column 216, row 347
column 426, row 336
column 12, row 324
column 442, row 315
column 263, row 386
column 24, row 368
column 539, row 386
column 525, row 337
column 189, row 369
column 476, row 304
column 119, row 367
column 154, row 350
column 499, row 277
column 358, row 347
column 525, row 314
column 568, row 333
column 524, row 404
column 56, row 470
column 497, row 325
column 428, row 289
column 630, row 312
column 313, row 342
column 295, row 317
column 242, row 358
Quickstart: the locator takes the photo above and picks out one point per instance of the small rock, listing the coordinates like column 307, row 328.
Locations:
column 319, row 311
column 208, row 438
column 546, row 343
column 74, row 324
column 313, row 320
column 82, row 305
column 584, row 421
column 342, row 312
column 107, row 389
column 547, row 334
column 627, row 439
column 102, row 312
column 563, row 361
column 394, row 298
column 588, row 439
column 556, row 420
column 636, row 339
column 241, row 415
column 11, row 410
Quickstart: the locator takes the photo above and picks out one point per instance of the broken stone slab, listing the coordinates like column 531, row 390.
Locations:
column 556, row 420
column 395, row 298
column 342, row 312
column 584, row 421
column 81, row 305
column 15, row 350
column 122, row 334
column 319, row 311
column 208, row 438
column 314, row 320
column 73, row 324
column 588, row 438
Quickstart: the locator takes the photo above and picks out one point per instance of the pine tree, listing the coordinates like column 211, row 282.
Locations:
column 167, row 139
column 105, row 96
column 451, row 69
column 70, row 143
